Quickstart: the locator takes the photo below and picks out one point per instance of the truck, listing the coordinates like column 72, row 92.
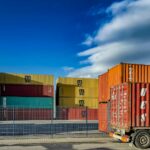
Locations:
column 130, row 113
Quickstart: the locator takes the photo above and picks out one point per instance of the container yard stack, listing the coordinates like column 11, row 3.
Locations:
column 74, row 94
column 26, row 96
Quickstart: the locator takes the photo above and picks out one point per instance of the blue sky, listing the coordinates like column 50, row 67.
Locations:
column 44, row 36
column 80, row 38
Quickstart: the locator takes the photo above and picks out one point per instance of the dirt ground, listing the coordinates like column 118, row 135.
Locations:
column 65, row 144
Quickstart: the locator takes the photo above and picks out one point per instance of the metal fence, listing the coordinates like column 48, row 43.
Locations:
column 25, row 122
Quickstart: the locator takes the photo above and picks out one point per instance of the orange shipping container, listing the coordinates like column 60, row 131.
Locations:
column 121, row 73
column 104, row 117
column 103, row 92
column 128, row 73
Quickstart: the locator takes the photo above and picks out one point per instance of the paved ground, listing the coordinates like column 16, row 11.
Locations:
column 65, row 144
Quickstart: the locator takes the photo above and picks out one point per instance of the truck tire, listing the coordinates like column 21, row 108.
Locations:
column 142, row 140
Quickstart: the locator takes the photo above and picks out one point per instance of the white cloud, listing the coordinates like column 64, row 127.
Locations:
column 66, row 68
column 88, row 41
column 126, row 38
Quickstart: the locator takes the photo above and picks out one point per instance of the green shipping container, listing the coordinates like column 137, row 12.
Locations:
column 26, row 102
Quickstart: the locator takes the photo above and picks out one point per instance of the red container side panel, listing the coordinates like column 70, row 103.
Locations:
column 26, row 114
column 27, row 90
column 103, row 117
column 130, row 106
column 77, row 114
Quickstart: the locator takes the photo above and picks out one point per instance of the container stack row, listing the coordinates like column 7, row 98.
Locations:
column 121, row 88
column 26, row 96
column 78, row 93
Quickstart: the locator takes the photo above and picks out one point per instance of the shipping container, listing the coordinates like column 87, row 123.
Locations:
column 130, row 106
column 104, row 117
column 129, row 73
column 82, row 114
column 12, row 78
column 26, row 102
column 82, row 102
column 26, row 114
column 26, row 90
column 76, row 113
column 74, row 91
column 121, row 73
column 80, row 82
column 103, row 89
column 130, row 112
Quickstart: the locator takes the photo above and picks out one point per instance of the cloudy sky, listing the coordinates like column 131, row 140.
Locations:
column 78, row 38
column 123, row 38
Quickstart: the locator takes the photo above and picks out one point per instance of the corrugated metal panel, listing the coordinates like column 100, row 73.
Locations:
column 26, row 90
column 10, row 78
column 80, row 114
column 128, row 73
column 26, row 102
column 71, row 102
column 115, row 75
column 104, row 94
column 73, row 91
column 102, row 117
column 26, row 114
column 130, row 106
column 77, row 113
column 81, row 82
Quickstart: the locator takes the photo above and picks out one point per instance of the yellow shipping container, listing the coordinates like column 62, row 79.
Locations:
column 72, row 102
column 74, row 91
column 12, row 78
column 81, row 82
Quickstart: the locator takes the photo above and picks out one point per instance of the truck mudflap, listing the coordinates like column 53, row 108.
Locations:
column 124, row 138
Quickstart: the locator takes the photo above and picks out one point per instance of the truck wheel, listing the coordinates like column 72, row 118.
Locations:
column 142, row 140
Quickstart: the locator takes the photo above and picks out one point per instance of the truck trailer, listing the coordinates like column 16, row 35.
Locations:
column 130, row 113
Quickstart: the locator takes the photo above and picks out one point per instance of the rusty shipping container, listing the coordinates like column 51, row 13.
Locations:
column 103, row 91
column 130, row 106
column 26, row 90
column 38, row 79
column 104, row 117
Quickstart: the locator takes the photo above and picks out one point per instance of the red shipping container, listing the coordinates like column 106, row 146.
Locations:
column 77, row 114
column 92, row 114
column 103, row 90
column 103, row 117
column 27, row 90
column 130, row 106
column 26, row 114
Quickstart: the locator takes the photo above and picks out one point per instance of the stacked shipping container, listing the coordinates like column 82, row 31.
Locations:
column 130, row 73
column 78, row 92
column 25, row 96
